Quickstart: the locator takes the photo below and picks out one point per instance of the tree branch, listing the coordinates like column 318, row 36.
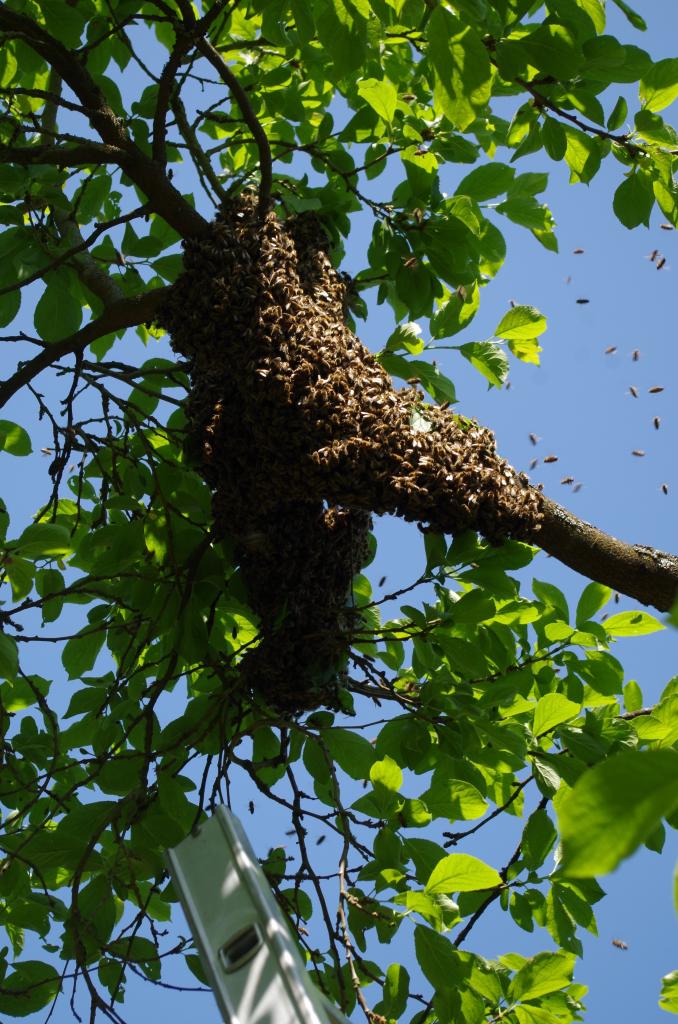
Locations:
column 250, row 118
column 144, row 172
column 648, row 575
column 124, row 313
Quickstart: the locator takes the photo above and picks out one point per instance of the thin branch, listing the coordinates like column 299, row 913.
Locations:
column 125, row 313
column 250, row 118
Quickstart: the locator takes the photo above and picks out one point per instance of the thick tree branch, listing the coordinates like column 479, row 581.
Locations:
column 124, row 313
column 643, row 573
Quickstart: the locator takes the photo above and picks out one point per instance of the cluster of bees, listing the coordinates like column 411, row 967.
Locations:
column 301, row 435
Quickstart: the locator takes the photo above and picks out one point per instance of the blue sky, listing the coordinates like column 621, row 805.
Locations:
column 578, row 403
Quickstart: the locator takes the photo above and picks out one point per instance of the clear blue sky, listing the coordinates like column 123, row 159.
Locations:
column 578, row 403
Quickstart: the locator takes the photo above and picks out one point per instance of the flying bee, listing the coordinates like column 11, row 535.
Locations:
column 633, row 391
column 655, row 390
column 320, row 840
column 582, row 302
column 411, row 261
column 382, row 581
column 618, row 944
column 250, row 806
column 635, row 355
column 660, row 263
column 533, row 463
column 551, row 458
column 610, row 349
column 638, row 452
column 656, row 421
column 577, row 252
column 665, row 488
column 47, row 451
column 616, row 597
column 666, row 227
column 567, row 480
column 653, row 255
column 512, row 303
column 533, row 438
column 577, row 488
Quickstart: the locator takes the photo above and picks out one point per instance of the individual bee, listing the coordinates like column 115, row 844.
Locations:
column 616, row 597
column 250, row 807
column 567, row 480
column 638, row 452
column 533, row 463
column 320, row 840
column 633, row 391
column 444, row 405
column 582, row 302
column 655, row 390
column 618, row 944
column 47, row 451
column 610, row 349
column 533, row 438
column 635, row 355
column 660, row 263
column 653, row 255
column 551, row 458
column 666, row 227
column 382, row 581
column 665, row 488
column 577, row 252
column 577, row 488
column 411, row 261
column 656, row 421
column 512, row 303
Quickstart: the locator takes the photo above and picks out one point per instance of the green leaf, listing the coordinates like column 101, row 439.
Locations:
column 631, row 15
column 352, row 752
column 621, row 801
column 14, row 439
column 31, row 986
column 542, row 974
column 9, row 656
column 57, row 314
column 486, row 182
column 81, row 651
column 382, row 96
column 396, row 991
column 386, row 774
column 554, row 138
column 539, row 837
column 527, row 350
column 553, row 709
column 553, row 50
column 594, row 597
column 521, row 323
column 668, row 998
column 618, row 115
column 632, row 624
column 633, row 201
column 439, row 961
column 460, row 872
column 659, row 86
column 456, row 313
column 463, row 74
column 45, row 540
column 489, row 359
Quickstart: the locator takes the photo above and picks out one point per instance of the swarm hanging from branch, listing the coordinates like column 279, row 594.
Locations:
column 301, row 434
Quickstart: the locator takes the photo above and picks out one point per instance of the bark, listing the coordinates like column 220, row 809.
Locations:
column 641, row 572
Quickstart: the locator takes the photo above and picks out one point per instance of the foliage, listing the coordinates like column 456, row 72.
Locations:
column 478, row 703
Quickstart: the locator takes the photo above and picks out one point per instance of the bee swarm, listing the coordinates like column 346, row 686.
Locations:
column 301, row 435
